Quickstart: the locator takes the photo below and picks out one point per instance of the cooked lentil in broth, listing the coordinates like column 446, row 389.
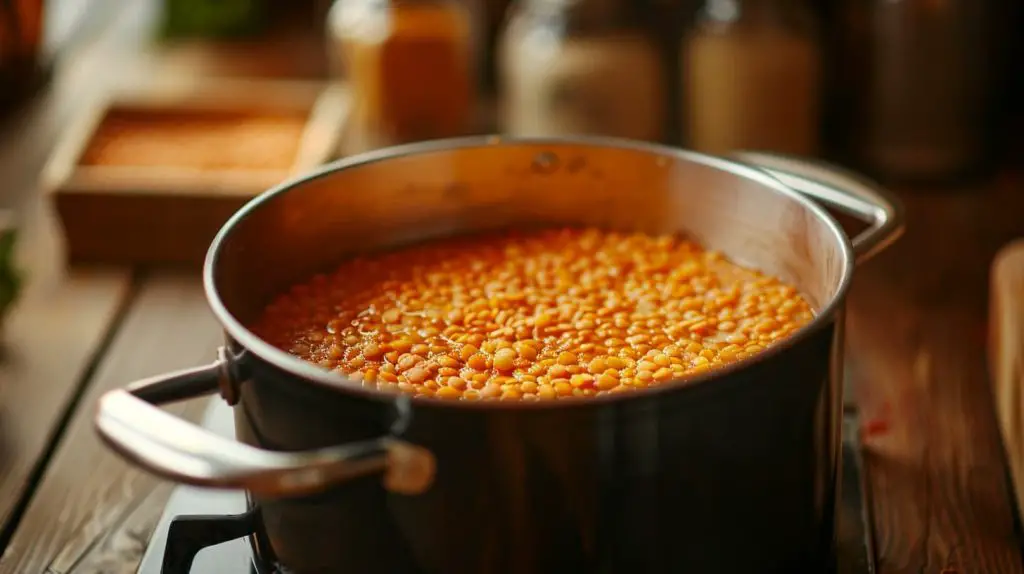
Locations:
column 533, row 315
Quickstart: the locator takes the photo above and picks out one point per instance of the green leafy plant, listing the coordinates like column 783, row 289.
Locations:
column 213, row 18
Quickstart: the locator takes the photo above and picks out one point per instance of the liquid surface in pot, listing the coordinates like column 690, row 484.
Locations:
column 533, row 315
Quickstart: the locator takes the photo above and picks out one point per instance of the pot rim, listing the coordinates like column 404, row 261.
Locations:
column 313, row 374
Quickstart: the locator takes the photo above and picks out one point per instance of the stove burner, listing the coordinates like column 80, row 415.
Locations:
column 187, row 535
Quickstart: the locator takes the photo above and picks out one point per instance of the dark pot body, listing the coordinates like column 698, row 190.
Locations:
column 734, row 477
column 733, row 471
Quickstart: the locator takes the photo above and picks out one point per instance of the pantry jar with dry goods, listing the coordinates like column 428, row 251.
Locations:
column 919, row 96
column 751, row 77
column 580, row 67
column 410, row 65
column 22, row 65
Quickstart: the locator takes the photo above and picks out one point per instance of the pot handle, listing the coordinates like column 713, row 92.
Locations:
column 167, row 446
column 842, row 191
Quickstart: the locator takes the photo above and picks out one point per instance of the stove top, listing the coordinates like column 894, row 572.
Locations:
column 197, row 518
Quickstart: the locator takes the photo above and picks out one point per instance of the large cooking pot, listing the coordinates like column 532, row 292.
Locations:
column 731, row 472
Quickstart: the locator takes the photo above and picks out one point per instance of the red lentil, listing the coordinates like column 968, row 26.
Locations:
column 533, row 315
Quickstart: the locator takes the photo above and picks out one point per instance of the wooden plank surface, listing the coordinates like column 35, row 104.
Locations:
column 50, row 343
column 1006, row 357
column 53, row 334
column 88, row 509
column 917, row 334
column 119, row 549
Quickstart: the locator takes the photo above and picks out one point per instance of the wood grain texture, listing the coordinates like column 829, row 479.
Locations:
column 917, row 337
column 88, row 494
column 1006, row 357
column 119, row 549
column 52, row 336
column 50, row 343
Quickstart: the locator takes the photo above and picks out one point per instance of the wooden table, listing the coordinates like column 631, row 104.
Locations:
column 916, row 338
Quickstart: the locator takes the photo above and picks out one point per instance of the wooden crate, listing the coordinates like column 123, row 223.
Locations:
column 167, row 215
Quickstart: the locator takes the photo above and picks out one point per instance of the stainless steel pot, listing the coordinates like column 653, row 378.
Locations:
column 735, row 471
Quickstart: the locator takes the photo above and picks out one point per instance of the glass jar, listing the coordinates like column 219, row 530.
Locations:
column 22, row 65
column 751, row 74
column 580, row 67
column 410, row 65
column 920, row 87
